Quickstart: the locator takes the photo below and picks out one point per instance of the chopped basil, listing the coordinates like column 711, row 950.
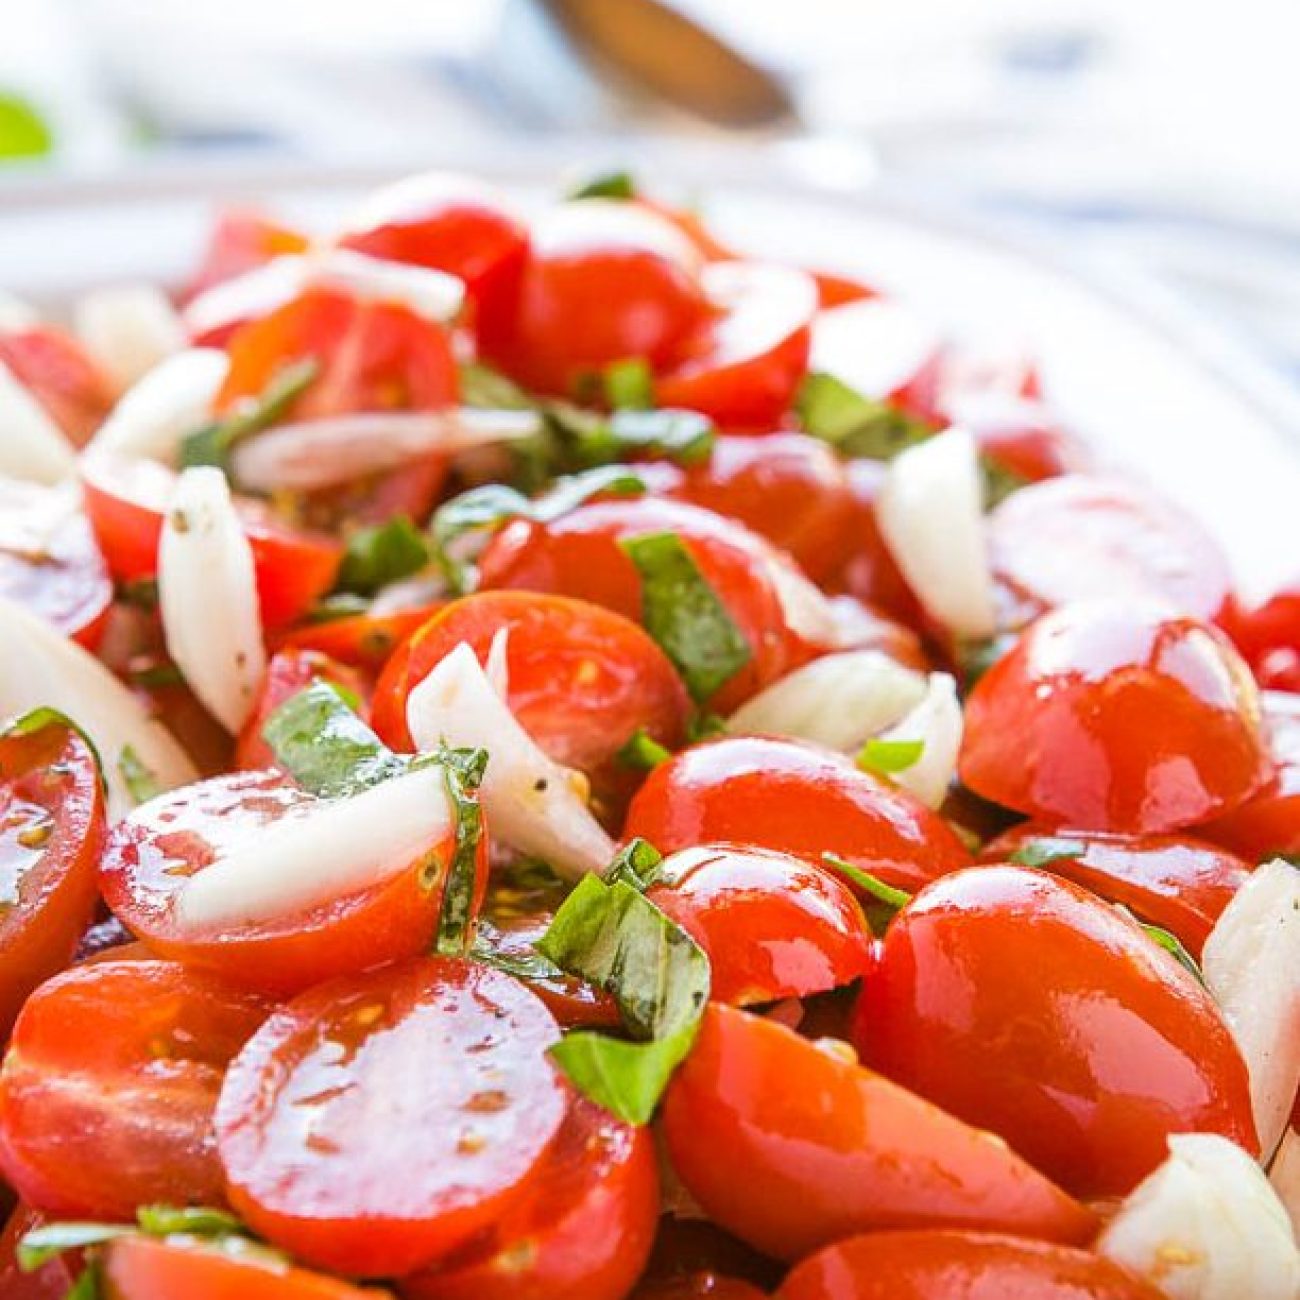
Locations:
column 606, row 185
column 140, row 780
column 637, row 864
column 1000, row 481
column 89, row 1286
column 191, row 1220
column 24, row 132
column 1044, row 850
column 643, row 751
column 583, row 439
column 385, row 553
column 683, row 613
column 887, row 757
column 627, row 1079
column 888, row 900
column 463, row 770
column 49, row 1241
column 629, row 385
column 705, row 726
column 854, row 424
column 525, row 964
column 1173, row 945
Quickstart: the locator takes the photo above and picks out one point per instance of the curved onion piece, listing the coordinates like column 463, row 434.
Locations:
column 532, row 803
column 838, row 700
column 584, row 224
column 876, row 345
column 40, row 668
column 207, row 596
column 173, row 399
column 32, row 446
column 1206, row 1225
column 329, row 850
column 426, row 190
column 1251, row 962
column 1285, row 1177
column 435, row 295
column 128, row 329
column 338, row 449
column 497, row 666
column 937, row 723
column 807, row 610
column 244, row 297
column 931, row 517
column 764, row 303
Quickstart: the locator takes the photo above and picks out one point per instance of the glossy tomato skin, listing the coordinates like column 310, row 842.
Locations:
column 1085, row 1068
column 970, row 1265
column 795, row 798
column 107, row 1090
column 805, row 1147
column 61, row 375
column 452, row 1054
column 1116, row 716
column 1269, row 637
column 242, row 240
column 771, row 926
column 52, row 1281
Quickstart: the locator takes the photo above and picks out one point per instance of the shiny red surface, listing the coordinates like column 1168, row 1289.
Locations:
column 61, row 375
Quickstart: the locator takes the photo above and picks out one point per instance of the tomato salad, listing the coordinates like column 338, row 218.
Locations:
column 547, row 758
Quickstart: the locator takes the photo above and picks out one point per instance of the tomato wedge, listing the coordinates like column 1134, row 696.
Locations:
column 362, row 640
column 61, row 376
column 107, row 1090
column 377, row 1122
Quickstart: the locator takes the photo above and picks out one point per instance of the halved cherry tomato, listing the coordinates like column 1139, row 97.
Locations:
column 772, row 926
column 242, row 240
column 794, row 798
column 379, row 1121
column 803, row 1147
column 49, row 561
column 583, row 1233
column 1116, row 716
column 150, row 855
column 51, row 834
column 1269, row 638
column 362, row 640
column 52, row 1281
column 1173, row 881
column 61, row 376
column 126, row 501
column 1026, row 1005
column 108, row 1087
column 969, row 1265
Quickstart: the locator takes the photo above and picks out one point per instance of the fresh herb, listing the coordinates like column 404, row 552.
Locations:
column 51, row 1240
column 1173, row 945
column 889, row 757
column 1000, row 481
column 854, row 424
column 705, row 726
column 191, row 1220
column 629, row 385
column 643, row 751
column 139, row 778
column 490, row 948
column 385, row 553
column 626, row 1078
column 1043, row 851
column 489, row 389
column 24, row 133
column 89, row 1286
column 606, row 185
column 583, row 439
column 887, row 900
column 683, row 613
column 463, row 770
column 637, row 864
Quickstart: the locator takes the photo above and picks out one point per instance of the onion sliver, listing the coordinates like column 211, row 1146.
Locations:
column 129, row 329
column 32, row 446
column 936, row 722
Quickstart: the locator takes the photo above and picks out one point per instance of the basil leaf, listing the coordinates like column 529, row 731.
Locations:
column 1045, row 850
column 40, row 1245
column 463, row 770
column 1000, row 481
column 584, row 438
column 489, row 947
column 376, row 556
column 887, row 902
column 683, row 613
column 89, row 1286
column 190, row 1220
column 705, row 726
column 887, row 757
column 643, row 751
column 606, row 185
column 627, row 1079
column 141, row 781
column 854, row 424
column 1173, row 945
column 489, row 389
column 637, row 864
column 629, row 385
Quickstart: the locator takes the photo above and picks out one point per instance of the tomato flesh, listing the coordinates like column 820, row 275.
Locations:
column 61, row 376
column 242, row 240
column 362, row 640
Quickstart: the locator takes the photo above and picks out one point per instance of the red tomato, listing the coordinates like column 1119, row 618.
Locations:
column 1269, row 638
column 1086, row 1067
column 1116, row 716
column 698, row 1286
column 839, row 290
column 150, row 855
column 583, row 1233
column 52, row 1281
column 60, row 374
column 377, row 1122
column 242, row 240
column 793, row 798
column 49, row 562
column 1020, row 435
column 126, row 501
column 690, row 1255
column 692, row 225
column 870, row 572
column 51, row 834
column 745, row 363
column 1083, row 536
column 362, row 640
column 1173, row 881
column 772, row 926
column 969, row 1265
column 804, row 1147
column 108, row 1087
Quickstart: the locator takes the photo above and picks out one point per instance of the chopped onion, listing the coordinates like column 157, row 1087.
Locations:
column 40, row 668
column 1285, row 1177
column 129, row 329
column 497, row 667
column 762, row 305
column 937, row 723
column 333, row 849
column 207, row 595
column 931, row 517
column 533, row 803
column 876, row 346
column 1206, row 1225
column 246, row 297
column 32, row 446
column 338, row 449
column 1251, row 962
column 588, row 224
column 435, row 295
column 807, row 611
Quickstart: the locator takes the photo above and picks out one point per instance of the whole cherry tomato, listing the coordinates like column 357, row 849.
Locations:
column 1026, row 1005
column 242, row 240
column 61, row 376
column 1116, row 716
column 361, row 640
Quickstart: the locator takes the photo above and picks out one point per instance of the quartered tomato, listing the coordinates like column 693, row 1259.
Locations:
column 52, row 1281
column 361, row 640
column 582, row 1233
column 60, row 374
column 1026, row 1005
column 378, row 1122
column 1116, row 716
column 793, row 798
column 242, row 240
column 791, row 1146
column 108, row 1087
column 51, row 833
column 772, row 926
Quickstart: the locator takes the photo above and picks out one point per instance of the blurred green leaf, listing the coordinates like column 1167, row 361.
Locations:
column 23, row 132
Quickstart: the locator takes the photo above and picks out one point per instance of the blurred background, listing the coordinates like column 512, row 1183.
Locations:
column 1154, row 134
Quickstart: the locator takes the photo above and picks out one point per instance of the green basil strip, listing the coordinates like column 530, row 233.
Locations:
column 683, row 613
column 636, row 864
column 1046, row 849
column 854, row 424
column 887, row 901
column 583, row 439
column 627, row 1079
column 463, row 770
column 527, row 964
column 386, row 553
column 488, row 389
column 1173, row 945
column 140, row 780
column 191, row 1220
column 89, row 1286
column 49, row 1241
column 605, row 185
column 643, row 751
column 1000, row 481
column 888, row 757
column 629, row 385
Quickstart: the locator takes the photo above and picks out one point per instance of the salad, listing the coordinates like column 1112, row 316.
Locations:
column 546, row 758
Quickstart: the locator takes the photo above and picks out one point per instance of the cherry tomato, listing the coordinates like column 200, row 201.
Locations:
column 1020, row 436
column 51, row 833
column 377, row 1122
column 870, row 572
column 772, row 926
column 52, row 1281
column 1085, row 1068
column 583, row 1233
column 1269, row 638
column 107, row 1090
column 969, row 1265
column 1116, row 716
column 49, row 561
column 793, row 798
column 699, row 1286
column 805, row 1147
column 1173, row 881
column 362, row 640
column 242, row 240
column 60, row 374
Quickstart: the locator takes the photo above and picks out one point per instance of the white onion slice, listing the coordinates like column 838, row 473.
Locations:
column 532, row 803
column 763, row 305
column 41, row 668
column 128, row 329
column 497, row 666
column 937, row 723
column 427, row 191
column 807, row 611
column 338, row 449
column 245, row 297
column 435, row 295
column 1285, row 1177
column 32, row 445
column 1206, row 1225
column 1251, row 963
column 590, row 224
column 207, row 596
column 173, row 399
column 931, row 516
column 875, row 346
